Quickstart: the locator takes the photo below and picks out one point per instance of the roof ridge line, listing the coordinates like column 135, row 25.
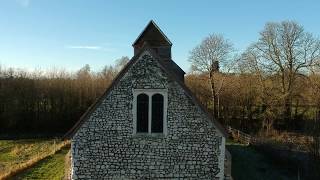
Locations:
column 157, row 27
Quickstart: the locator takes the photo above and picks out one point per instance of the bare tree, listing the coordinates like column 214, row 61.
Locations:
column 121, row 62
column 249, row 64
column 286, row 51
column 213, row 51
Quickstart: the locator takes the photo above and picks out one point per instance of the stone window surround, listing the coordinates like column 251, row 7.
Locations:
column 150, row 93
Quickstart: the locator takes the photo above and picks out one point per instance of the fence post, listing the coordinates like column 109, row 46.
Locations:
column 240, row 136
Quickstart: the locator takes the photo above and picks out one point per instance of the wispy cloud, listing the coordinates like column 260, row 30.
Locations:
column 24, row 3
column 85, row 47
column 100, row 48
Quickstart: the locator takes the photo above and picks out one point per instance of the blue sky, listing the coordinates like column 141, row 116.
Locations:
column 71, row 33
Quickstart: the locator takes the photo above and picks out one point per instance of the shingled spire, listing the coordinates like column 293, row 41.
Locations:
column 156, row 39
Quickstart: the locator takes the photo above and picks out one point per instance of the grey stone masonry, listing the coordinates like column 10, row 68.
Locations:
column 105, row 147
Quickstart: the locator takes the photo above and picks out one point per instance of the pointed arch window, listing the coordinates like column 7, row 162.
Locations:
column 150, row 111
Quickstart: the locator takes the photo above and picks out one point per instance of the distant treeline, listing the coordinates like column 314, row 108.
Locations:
column 49, row 102
column 245, row 105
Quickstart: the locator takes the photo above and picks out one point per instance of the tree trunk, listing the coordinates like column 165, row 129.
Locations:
column 287, row 111
column 214, row 95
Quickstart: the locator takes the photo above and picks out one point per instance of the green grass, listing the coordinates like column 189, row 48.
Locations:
column 15, row 152
column 248, row 164
column 51, row 168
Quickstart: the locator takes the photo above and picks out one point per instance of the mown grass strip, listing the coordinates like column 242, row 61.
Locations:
column 52, row 167
column 29, row 163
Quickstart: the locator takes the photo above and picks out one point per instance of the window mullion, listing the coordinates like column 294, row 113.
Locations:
column 135, row 113
column 150, row 113
column 165, row 106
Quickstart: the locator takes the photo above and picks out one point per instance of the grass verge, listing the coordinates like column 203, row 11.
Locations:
column 18, row 155
column 51, row 167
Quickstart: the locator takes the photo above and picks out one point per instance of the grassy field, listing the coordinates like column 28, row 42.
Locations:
column 248, row 164
column 51, row 168
column 17, row 155
column 14, row 152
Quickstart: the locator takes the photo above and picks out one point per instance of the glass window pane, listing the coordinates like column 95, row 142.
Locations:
column 157, row 113
column 142, row 112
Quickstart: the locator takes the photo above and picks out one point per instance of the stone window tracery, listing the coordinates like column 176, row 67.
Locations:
column 150, row 111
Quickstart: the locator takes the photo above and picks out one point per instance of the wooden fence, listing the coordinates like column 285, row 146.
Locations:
column 241, row 136
column 299, row 144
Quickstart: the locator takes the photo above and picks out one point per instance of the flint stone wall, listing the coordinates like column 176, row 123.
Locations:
column 105, row 148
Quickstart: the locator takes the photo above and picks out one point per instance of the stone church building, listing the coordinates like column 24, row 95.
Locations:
column 147, row 124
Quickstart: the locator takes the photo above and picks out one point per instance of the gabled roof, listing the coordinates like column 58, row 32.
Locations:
column 170, row 74
column 154, row 32
column 174, row 66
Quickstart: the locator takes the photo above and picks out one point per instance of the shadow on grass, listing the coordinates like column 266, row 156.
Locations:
column 248, row 164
